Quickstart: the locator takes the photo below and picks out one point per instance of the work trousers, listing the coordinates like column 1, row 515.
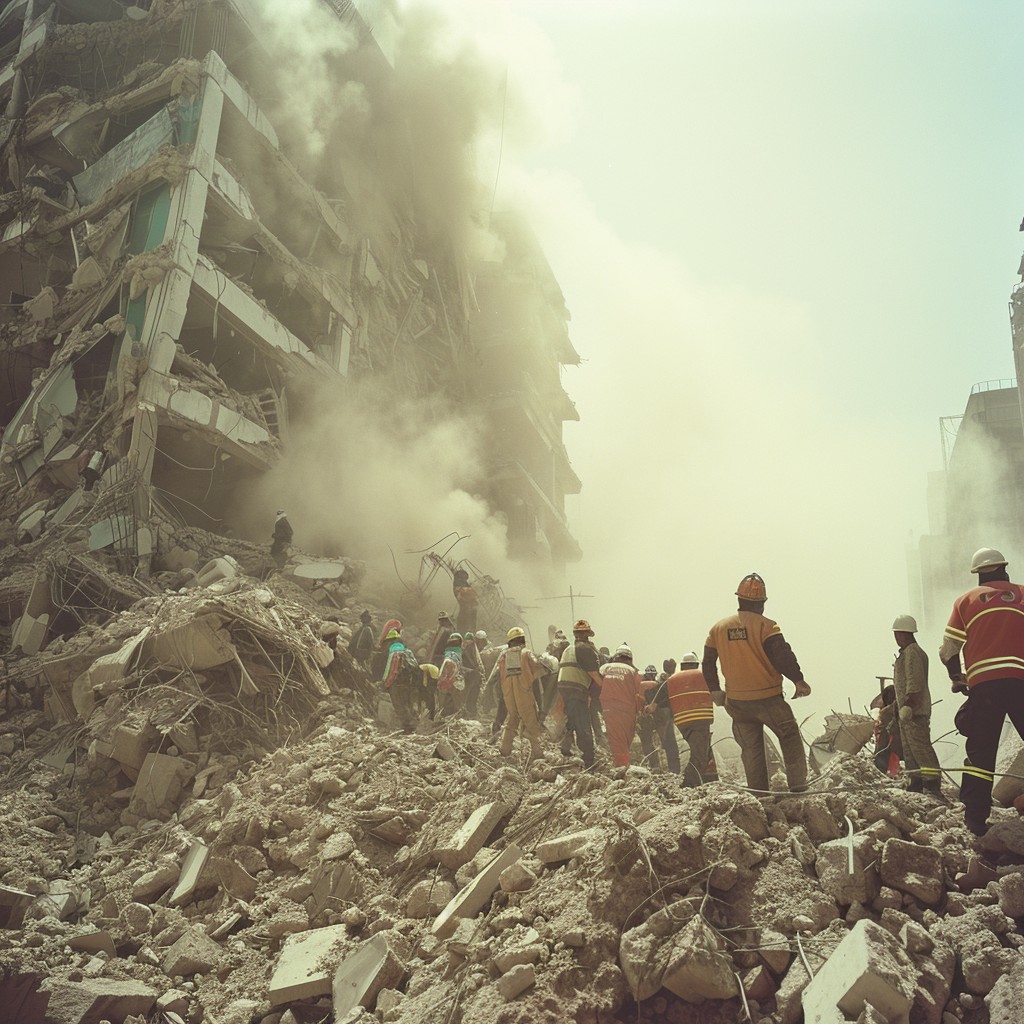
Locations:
column 659, row 724
column 919, row 754
column 472, row 692
column 620, row 726
column 522, row 710
column 697, row 736
column 749, row 718
column 401, row 693
column 578, row 724
column 981, row 722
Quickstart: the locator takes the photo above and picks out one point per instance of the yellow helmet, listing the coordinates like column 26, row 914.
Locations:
column 515, row 633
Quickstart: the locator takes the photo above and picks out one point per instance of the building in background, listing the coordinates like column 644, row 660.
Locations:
column 176, row 268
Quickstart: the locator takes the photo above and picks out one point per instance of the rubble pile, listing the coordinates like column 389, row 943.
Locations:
column 160, row 864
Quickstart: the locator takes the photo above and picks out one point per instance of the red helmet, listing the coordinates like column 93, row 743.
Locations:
column 752, row 588
column 582, row 626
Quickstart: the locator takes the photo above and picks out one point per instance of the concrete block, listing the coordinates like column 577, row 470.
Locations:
column 360, row 976
column 96, row 999
column 913, row 869
column 759, row 984
column 153, row 884
column 832, row 866
column 94, row 941
column 195, row 860
column 697, row 969
column 174, row 1000
column 470, row 900
column 1006, row 998
column 300, row 973
column 194, row 953
column 129, row 745
column 516, row 982
column 428, row 897
column 517, row 878
column 775, row 952
column 471, row 836
column 565, row 847
column 335, row 885
column 235, row 880
column 867, row 967
column 159, row 785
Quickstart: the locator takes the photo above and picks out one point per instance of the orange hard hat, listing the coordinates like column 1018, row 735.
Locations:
column 752, row 588
column 582, row 626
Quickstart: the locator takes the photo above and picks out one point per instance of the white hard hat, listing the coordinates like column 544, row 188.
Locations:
column 689, row 658
column 624, row 649
column 904, row 624
column 481, row 634
column 986, row 558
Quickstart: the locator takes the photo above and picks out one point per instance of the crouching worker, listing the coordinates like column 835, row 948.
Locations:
column 517, row 668
column 401, row 675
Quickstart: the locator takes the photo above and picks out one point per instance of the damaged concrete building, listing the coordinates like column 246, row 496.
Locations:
column 175, row 275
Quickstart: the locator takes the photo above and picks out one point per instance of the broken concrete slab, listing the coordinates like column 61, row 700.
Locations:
column 869, row 967
column 470, row 900
column 153, row 883
column 832, row 866
column 13, row 904
column 95, row 941
column 96, row 999
column 299, row 973
column 697, row 969
column 565, row 847
column 361, row 975
column 913, row 869
column 471, row 836
column 194, row 953
column 159, row 785
column 191, row 870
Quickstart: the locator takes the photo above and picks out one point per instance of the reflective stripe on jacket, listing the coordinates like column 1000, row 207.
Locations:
column 689, row 697
column 570, row 675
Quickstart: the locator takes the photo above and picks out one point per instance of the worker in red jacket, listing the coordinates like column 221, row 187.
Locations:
column 693, row 712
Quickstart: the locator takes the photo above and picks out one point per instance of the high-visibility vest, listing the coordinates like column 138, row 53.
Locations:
column 570, row 676
column 689, row 698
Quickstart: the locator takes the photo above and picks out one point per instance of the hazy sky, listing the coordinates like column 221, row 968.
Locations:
column 787, row 233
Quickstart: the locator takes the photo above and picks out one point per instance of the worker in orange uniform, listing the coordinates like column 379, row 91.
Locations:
column 622, row 699
column 693, row 712
column 988, row 624
column 517, row 669
column 755, row 656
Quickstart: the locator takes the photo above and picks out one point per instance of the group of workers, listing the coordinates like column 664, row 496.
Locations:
column 599, row 696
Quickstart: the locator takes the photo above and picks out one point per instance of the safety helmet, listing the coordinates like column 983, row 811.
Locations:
column 904, row 624
column 455, row 638
column 366, row 616
column 752, row 588
column 624, row 651
column 393, row 634
column 515, row 633
column 650, row 671
column 689, row 658
column 481, row 634
column 442, row 615
column 986, row 558
column 582, row 626
column 469, row 638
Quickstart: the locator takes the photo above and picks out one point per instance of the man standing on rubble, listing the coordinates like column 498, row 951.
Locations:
column 517, row 668
column 657, row 719
column 282, row 539
column 622, row 699
column 577, row 672
column 755, row 656
column 401, row 674
column 910, row 679
column 693, row 713
column 361, row 644
column 988, row 624
column 467, row 599
column 472, row 672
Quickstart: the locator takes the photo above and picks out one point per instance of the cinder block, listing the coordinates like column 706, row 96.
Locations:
column 469, row 901
column 867, row 967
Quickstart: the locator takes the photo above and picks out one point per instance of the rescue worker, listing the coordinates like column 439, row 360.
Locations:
column 987, row 623
column 517, row 668
column 282, row 539
column 910, row 679
column 361, row 644
column 472, row 672
column 467, row 600
column 622, row 699
column 693, row 712
column 657, row 719
column 577, row 672
column 449, row 680
column 435, row 655
column 380, row 650
column 755, row 656
column 400, row 675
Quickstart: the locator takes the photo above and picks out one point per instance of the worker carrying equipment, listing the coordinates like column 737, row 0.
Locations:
column 752, row 588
